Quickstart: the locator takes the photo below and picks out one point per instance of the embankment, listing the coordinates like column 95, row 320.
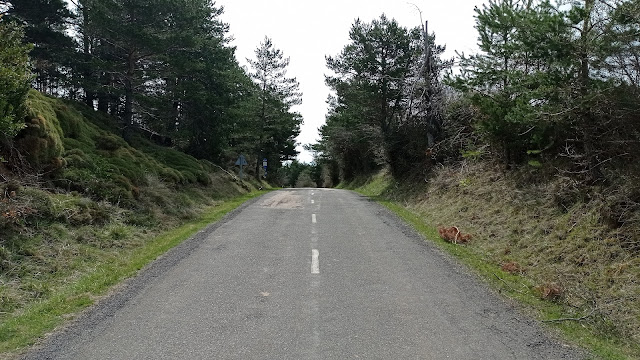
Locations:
column 570, row 255
column 81, row 209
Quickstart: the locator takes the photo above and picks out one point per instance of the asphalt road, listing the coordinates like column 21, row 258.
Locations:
column 305, row 274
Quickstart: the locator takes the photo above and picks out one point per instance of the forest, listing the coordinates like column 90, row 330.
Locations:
column 164, row 68
column 554, row 85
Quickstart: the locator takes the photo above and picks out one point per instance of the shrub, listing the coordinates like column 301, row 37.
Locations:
column 15, row 79
column 109, row 142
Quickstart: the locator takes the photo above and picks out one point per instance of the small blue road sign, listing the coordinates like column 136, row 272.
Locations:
column 241, row 162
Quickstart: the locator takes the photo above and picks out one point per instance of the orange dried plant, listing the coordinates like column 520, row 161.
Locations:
column 453, row 235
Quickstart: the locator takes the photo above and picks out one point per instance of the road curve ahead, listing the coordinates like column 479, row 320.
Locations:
column 305, row 274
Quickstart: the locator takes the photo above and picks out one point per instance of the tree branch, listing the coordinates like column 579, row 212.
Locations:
column 571, row 318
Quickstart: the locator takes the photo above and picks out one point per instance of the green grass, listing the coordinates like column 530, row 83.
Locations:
column 31, row 323
column 424, row 208
column 103, row 209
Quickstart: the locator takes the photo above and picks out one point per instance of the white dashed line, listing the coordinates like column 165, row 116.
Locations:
column 313, row 201
column 313, row 218
column 315, row 263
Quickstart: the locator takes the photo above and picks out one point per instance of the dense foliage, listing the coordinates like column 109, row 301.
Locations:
column 553, row 82
column 297, row 174
column 44, row 24
column 164, row 68
column 557, row 80
column 386, row 102
column 14, row 79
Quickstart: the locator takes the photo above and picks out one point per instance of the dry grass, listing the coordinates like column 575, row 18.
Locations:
column 570, row 252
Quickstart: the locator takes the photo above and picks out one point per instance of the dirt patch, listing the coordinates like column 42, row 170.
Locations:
column 283, row 200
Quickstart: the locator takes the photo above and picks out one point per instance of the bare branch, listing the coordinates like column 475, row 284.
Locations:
column 571, row 318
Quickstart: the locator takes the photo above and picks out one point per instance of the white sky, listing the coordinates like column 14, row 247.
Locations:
column 306, row 31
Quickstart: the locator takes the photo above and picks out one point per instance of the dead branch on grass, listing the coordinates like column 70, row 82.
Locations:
column 571, row 318
column 233, row 176
column 507, row 284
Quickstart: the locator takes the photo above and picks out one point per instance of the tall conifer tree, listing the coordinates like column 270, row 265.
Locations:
column 15, row 79
column 277, row 124
column 45, row 23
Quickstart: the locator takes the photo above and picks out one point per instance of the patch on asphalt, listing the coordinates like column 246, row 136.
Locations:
column 283, row 200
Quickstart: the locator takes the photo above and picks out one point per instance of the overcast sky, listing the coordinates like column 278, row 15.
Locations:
column 306, row 31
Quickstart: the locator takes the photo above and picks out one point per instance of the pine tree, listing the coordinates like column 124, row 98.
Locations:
column 277, row 124
column 387, row 98
column 524, row 63
column 46, row 22
column 422, row 127
column 126, row 41
column 15, row 79
column 622, row 38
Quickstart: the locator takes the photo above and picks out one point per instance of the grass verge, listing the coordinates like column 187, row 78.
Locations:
column 579, row 325
column 24, row 328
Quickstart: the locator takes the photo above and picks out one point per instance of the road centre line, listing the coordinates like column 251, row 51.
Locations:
column 313, row 201
column 315, row 263
column 313, row 218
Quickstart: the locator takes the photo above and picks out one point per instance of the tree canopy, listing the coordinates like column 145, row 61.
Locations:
column 384, row 108
column 556, row 80
column 277, row 124
column 553, row 81
column 165, row 67
column 15, row 78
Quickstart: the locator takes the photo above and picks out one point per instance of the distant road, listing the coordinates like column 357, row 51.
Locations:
column 305, row 274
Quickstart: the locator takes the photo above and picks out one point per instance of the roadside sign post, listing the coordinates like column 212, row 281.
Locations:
column 241, row 162
column 264, row 166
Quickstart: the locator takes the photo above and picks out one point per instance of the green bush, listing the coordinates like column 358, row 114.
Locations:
column 15, row 79
column 41, row 140
column 109, row 142
column 71, row 122
column 36, row 203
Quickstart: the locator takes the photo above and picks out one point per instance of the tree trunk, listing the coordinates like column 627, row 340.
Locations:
column 587, row 122
column 128, row 100
column 89, row 95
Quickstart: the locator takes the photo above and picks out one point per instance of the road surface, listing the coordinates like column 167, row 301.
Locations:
column 305, row 274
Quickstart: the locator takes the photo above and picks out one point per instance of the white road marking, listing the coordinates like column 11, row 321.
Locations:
column 313, row 218
column 315, row 263
column 313, row 201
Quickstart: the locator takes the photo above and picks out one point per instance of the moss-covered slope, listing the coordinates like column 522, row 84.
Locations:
column 80, row 150
column 74, row 194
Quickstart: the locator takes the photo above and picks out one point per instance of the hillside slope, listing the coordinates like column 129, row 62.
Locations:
column 74, row 195
column 538, row 241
